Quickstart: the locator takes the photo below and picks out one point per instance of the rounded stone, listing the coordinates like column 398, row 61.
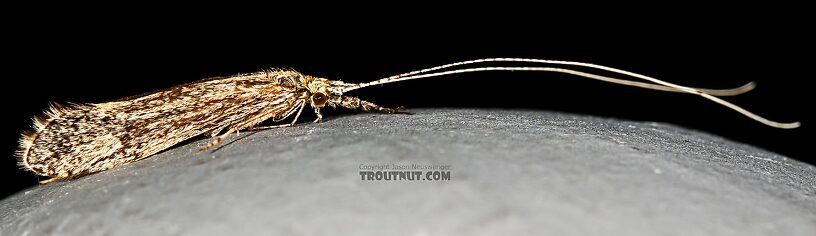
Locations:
column 510, row 172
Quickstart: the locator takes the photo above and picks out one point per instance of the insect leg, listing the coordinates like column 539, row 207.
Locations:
column 319, row 115
column 214, row 132
column 283, row 125
column 52, row 179
column 357, row 103
column 218, row 139
column 252, row 121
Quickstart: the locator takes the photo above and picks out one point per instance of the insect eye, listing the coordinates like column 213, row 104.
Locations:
column 319, row 99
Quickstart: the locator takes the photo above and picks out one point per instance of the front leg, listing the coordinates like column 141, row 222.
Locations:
column 319, row 115
column 356, row 103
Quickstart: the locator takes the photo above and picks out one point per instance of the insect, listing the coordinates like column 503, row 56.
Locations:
column 73, row 140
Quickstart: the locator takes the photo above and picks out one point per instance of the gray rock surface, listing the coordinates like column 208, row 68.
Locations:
column 511, row 172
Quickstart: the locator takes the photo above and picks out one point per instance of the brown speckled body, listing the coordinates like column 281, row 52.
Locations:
column 78, row 139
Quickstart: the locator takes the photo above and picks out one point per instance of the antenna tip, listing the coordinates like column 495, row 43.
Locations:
column 749, row 86
column 792, row 125
column 741, row 89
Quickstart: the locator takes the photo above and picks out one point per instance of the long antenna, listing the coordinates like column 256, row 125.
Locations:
column 660, row 85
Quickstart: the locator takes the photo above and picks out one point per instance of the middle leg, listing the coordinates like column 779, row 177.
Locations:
column 263, row 115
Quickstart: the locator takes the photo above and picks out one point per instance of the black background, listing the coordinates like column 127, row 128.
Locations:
column 105, row 56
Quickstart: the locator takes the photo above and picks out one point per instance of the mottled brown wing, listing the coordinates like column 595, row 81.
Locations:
column 86, row 138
